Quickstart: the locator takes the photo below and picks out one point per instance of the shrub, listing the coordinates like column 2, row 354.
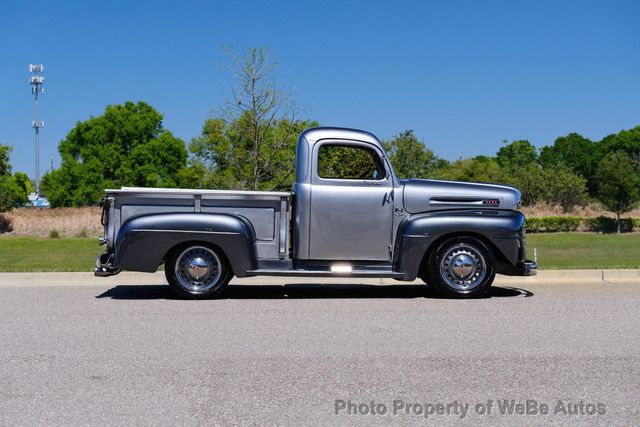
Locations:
column 609, row 225
column 553, row 224
column 601, row 224
column 5, row 224
column 83, row 232
column 54, row 234
column 533, row 225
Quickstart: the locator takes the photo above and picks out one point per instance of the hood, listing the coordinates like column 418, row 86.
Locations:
column 422, row 195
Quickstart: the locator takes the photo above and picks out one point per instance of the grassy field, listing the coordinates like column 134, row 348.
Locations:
column 555, row 251
column 44, row 254
column 585, row 250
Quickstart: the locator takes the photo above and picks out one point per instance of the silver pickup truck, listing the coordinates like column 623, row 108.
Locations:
column 348, row 216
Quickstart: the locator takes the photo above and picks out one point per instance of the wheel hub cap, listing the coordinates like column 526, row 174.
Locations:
column 197, row 268
column 462, row 267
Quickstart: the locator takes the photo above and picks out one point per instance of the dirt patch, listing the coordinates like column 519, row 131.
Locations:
column 68, row 222
column 592, row 210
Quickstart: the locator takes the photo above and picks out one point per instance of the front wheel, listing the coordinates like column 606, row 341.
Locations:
column 461, row 267
column 197, row 271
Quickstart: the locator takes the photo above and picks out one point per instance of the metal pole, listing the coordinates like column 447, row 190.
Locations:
column 37, row 80
column 37, row 144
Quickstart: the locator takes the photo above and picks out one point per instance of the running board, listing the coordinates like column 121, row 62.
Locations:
column 325, row 273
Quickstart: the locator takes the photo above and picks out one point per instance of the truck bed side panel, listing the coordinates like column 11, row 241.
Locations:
column 265, row 214
column 144, row 242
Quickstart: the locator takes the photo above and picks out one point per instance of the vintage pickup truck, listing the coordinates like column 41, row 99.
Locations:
column 347, row 218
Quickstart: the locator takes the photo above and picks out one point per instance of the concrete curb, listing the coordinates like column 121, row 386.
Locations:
column 614, row 276
column 88, row 279
column 584, row 276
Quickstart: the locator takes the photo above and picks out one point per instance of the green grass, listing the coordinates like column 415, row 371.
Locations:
column 555, row 251
column 45, row 254
column 585, row 250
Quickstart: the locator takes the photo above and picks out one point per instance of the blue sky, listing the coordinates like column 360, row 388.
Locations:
column 465, row 75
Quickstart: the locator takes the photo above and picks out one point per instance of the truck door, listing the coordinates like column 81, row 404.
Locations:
column 351, row 203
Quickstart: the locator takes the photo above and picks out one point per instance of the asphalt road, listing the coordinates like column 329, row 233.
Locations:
column 123, row 351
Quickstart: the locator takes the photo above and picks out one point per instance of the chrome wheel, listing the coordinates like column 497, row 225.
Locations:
column 463, row 267
column 198, row 269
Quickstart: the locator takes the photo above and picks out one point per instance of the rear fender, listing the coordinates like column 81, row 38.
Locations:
column 143, row 242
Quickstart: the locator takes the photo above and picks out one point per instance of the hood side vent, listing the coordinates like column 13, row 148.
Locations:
column 462, row 201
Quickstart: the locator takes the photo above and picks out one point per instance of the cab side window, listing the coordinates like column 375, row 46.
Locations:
column 349, row 162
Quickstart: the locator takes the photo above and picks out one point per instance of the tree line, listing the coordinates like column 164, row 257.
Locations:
column 249, row 144
column 571, row 172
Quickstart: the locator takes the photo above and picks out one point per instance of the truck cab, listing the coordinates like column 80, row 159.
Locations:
column 345, row 190
column 348, row 215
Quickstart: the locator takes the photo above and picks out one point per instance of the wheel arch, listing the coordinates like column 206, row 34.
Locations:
column 420, row 235
column 435, row 245
column 144, row 242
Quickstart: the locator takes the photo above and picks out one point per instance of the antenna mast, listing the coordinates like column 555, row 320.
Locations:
column 36, row 80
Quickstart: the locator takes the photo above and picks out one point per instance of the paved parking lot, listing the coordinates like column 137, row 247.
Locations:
column 78, row 350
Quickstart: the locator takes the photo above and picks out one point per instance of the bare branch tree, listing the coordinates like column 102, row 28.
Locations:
column 249, row 144
column 258, row 103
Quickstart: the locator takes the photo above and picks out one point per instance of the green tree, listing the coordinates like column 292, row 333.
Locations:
column 192, row 176
column 251, row 144
column 410, row 157
column 24, row 182
column 5, row 166
column 345, row 162
column 11, row 193
column 618, row 181
column 565, row 188
column 126, row 146
column 13, row 188
column 532, row 182
column 625, row 140
column 517, row 154
column 556, row 183
column 223, row 156
column 477, row 169
column 575, row 152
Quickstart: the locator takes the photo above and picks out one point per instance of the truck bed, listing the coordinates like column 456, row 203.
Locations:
column 267, row 211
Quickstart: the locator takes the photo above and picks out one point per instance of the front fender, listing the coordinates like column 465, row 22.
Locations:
column 143, row 242
column 418, row 234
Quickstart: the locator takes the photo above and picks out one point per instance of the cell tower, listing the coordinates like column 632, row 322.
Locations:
column 36, row 80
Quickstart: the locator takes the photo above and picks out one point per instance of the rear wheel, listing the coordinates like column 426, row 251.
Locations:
column 461, row 267
column 197, row 271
